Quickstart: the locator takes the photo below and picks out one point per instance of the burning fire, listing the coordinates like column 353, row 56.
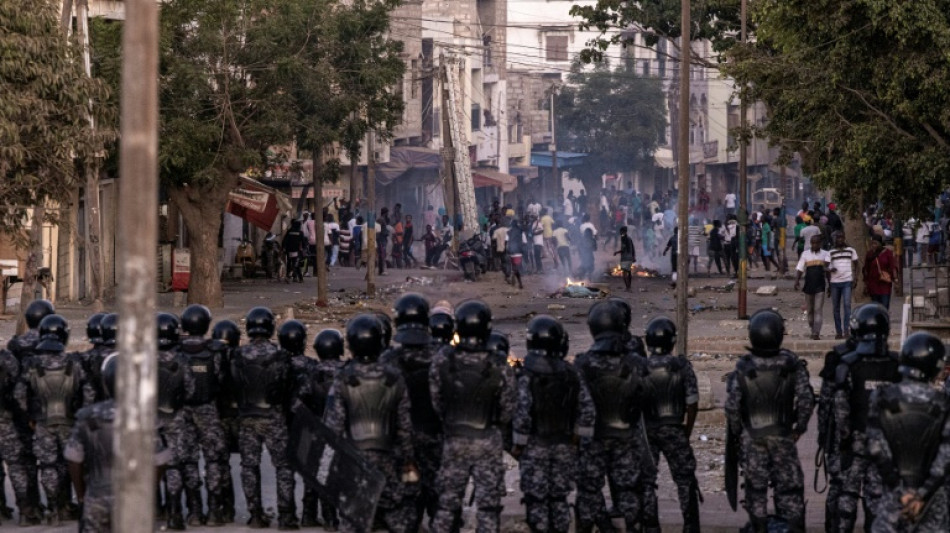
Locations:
column 636, row 270
column 574, row 283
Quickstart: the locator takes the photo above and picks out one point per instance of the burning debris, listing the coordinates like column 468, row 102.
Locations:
column 636, row 270
column 578, row 289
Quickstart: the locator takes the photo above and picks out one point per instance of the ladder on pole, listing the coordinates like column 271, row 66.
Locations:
column 462, row 165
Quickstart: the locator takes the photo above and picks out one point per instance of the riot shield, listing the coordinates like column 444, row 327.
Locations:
column 732, row 466
column 334, row 468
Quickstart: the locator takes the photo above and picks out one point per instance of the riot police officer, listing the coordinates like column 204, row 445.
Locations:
column 174, row 382
column 292, row 338
column 369, row 405
column 857, row 375
column 672, row 401
column 474, row 394
column 202, row 427
column 90, row 454
column 907, row 437
column 93, row 358
column 633, row 342
column 22, row 346
column 50, row 392
column 312, row 390
column 554, row 409
column 441, row 324
column 225, row 340
column 262, row 381
column 768, row 406
column 614, row 375
column 11, row 444
column 413, row 357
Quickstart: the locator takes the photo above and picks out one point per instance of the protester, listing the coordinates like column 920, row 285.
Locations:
column 880, row 269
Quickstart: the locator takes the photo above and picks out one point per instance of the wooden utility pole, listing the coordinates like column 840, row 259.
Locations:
column 682, row 203
column 554, row 172
column 448, row 148
column 93, row 213
column 371, row 216
column 743, row 193
column 134, row 474
column 321, row 267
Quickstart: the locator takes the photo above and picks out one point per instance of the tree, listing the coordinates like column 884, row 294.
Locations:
column 615, row 116
column 860, row 90
column 44, row 132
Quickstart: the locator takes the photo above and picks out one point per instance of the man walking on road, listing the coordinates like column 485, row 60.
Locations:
column 814, row 265
column 844, row 263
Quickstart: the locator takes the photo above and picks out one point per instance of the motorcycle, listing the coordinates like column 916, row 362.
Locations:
column 472, row 258
column 272, row 258
column 246, row 257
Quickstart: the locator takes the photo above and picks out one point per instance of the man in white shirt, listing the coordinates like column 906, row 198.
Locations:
column 588, row 225
column 568, row 207
column 813, row 264
column 308, row 228
column 730, row 244
column 730, row 200
column 534, row 208
column 844, row 263
column 331, row 238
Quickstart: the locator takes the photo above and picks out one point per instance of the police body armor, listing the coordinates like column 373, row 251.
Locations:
column 227, row 396
column 6, row 393
column 768, row 395
column 99, row 459
column 913, row 432
column 616, row 394
column 55, row 389
column 171, row 384
column 372, row 408
column 257, row 382
column 201, row 362
column 865, row 373
column 665, row 390
column 93, row 367
column 416, row 371
column 470, row 391
column 23, row 346
column 554, row 392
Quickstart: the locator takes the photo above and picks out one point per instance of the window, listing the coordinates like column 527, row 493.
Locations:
column 645, row 68
column 476, row 117
column 486, row 57
column 556, row 48
column 661, row 58
column 436, row 121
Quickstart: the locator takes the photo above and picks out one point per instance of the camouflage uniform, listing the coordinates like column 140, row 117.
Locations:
column 427, row 439
column 22, row 347
column 884, row 478
column 772, row 459
column 388, row 461
column 669, row 436
column 827, row 441
column 84, row 439
column 469, row 450
column 314, row 379
column 228, row 416
column 548, row 463
column 174, row 382
column 11, row 442
column 92, row 360
column 52, row 415
column 202, row 427
column 616, row 452
column 263, row 404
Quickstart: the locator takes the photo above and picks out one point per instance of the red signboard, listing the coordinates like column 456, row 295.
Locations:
column 181, row 269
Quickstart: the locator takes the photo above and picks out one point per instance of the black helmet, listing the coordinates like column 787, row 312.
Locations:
column 110, row 367
column 498, row 343
column 473, row 323
column 604, row 318
column 109, row 326
column 921, row 356
column 545, row 334
column 227, row 331
column 442, row 327
column 54, row 334
column 364, row 336
column 292, row 336
column 871, row 326
column 386, row 324
column 259, row 323
column 37, row 311
column 565, row 343
column 168, row 335
column 624, row 307
column 195, row 320
column 329, row 345
column 661, row 335
column 766, row 332
column 94, row 328
column 412, row 319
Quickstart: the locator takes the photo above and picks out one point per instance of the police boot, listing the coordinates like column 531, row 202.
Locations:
column 227, row 501
column 330, row 520
column 176, row 522
column 756, row 525
column 30, row 516
column 195, row 516
column 309, row 516
column 215, row 516
column 258, row 520
column 287, row 519
column 584, row 527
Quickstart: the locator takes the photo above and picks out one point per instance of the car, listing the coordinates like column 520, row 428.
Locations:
column 767, row 197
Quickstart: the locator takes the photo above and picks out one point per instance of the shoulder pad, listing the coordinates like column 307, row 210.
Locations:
column 842, row 371
column 678, row 363
column 850, row 358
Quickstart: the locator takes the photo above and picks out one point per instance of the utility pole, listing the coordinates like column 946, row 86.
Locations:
column 371, row 216
column 321, row 257
column 743, row 192
column 682, row 203
column 134, row 476
column 448, row 148
column 554, row 172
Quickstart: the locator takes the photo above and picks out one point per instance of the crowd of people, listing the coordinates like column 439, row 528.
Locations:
column 433, row 396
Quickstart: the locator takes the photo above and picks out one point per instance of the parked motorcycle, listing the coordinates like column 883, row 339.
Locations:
column 472, row 258
column 246, row 257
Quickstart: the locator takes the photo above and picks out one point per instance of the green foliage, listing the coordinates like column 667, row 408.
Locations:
column 613, row 115
column 715, row 20
column 860, row 90
column 43, row 112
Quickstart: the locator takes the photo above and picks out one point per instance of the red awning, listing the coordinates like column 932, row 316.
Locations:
column 486, row 177
column 257, row 203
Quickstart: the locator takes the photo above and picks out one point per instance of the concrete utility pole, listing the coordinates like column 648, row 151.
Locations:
column 555, row 175
column 682, row 204
column 743, row 193
column 448, row 148
column 371, row 216
column 318, row 230
column 134, row 475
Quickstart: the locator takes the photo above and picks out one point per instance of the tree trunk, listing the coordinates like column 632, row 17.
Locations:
column 93, row 236
column 356, row 183
column 856, row 231
column 318, row 229
column 593, row 185
column 201, row 209
column 34, row 260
